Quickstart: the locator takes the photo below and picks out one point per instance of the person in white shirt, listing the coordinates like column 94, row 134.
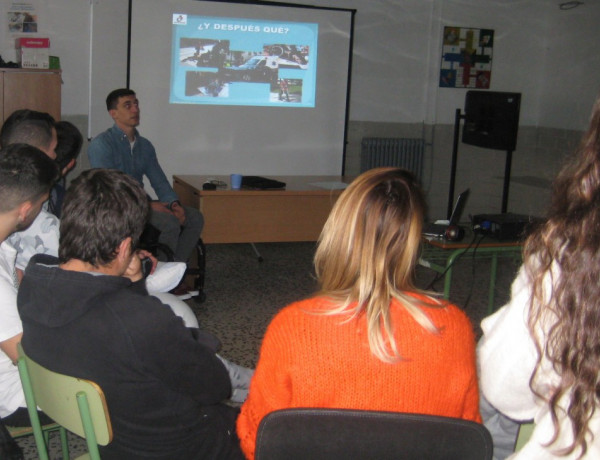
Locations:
column 540, row 354
column 26, row 176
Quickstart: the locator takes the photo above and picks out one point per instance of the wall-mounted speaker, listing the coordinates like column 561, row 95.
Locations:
column 492, row 119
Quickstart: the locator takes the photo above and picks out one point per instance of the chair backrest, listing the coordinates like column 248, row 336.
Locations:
column 525, row 432
column 292, row 434
column 76, row 404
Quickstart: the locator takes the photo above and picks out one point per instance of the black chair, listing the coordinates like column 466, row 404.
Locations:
column 325, row 434
column 199, row 272
column 149, row 241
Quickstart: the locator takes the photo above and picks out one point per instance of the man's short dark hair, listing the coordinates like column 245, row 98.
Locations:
column 102, row 207
column 69, row 143
column 26, row 173
column 28, row 127
column 113, row 97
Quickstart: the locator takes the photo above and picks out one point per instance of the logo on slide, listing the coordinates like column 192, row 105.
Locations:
column 180, row 19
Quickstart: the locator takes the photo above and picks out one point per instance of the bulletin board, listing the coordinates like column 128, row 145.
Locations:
column 466, row 58
column 19, row 18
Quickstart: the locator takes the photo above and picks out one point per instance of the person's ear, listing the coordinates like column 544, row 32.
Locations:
column 70, row 165
column 24, row 210
column 124, row 249
column 112, row 113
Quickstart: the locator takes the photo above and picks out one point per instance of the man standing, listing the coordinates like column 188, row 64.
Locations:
column 26, row 176
column 121, row 147
column 283, row 89
column 88, row 314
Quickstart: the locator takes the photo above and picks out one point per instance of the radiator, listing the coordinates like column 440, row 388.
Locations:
column 401, row 152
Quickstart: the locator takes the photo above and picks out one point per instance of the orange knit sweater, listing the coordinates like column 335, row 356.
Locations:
column 312, row 360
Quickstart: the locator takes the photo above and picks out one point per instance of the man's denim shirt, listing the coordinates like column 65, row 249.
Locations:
column 111, row 149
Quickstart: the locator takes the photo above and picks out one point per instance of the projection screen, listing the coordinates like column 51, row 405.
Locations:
column 242, row 87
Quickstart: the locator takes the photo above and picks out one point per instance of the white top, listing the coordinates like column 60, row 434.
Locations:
column 41, row 237
column 507, row 359
column 11, row 392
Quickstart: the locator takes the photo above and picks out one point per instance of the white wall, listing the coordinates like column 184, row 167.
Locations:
column 517, row 54
column 69, row 30
column 547, row 54
column 570, row 77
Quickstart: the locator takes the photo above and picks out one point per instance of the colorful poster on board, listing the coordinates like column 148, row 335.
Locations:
column 22, row 17
column 19, row 19
column 466, row 58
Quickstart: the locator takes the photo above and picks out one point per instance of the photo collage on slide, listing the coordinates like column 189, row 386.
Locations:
column 229, row 61
column 242, row 66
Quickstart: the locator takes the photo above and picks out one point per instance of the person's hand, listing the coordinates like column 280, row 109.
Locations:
column 20, row 274
column 179, row 212
column 143, row 254
column 134, row 269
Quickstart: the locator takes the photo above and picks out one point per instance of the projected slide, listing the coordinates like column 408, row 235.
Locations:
column 227, row 61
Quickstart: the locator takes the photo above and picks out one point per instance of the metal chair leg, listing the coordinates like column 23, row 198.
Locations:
column 199, row 273
column 258, row 256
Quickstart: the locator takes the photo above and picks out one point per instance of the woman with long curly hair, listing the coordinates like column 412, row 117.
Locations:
column 369, row 339
column 540, row 354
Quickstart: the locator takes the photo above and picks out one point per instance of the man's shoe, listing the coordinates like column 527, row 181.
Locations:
column 191, row 291
column 181, row 292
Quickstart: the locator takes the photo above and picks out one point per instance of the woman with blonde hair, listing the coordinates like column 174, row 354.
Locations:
column 369, row 339
column 540, row 354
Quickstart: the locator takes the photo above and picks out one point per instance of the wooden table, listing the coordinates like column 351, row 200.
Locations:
column 440, row 255
column 296, row 213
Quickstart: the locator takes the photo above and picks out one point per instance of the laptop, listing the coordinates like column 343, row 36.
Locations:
column 261, row 183
column 438, row 229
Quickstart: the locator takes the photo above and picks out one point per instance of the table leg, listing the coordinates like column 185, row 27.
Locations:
column 448, row 276
column 493, row 273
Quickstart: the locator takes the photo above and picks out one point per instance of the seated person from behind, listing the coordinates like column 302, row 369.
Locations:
column 539, row 356
column 41, row 237
column 30, row 127
column 26, row 176
column 88, row 314
column 121, row 147
column 369, row 340
column 69, row 142
column 36, row 129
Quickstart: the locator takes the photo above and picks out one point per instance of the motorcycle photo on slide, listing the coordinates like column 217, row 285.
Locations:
column 256, row 69
column 264, row 68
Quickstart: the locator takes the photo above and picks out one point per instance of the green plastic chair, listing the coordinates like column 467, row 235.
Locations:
column 525, row 431
column 76, row 404
column 22, row 431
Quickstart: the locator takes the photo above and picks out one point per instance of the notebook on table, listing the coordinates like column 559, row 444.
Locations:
column 438, row 229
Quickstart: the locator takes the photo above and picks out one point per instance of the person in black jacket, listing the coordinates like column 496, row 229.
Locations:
column 88, row 314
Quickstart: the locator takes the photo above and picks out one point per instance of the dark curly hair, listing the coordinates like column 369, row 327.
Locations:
column 562, row 259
